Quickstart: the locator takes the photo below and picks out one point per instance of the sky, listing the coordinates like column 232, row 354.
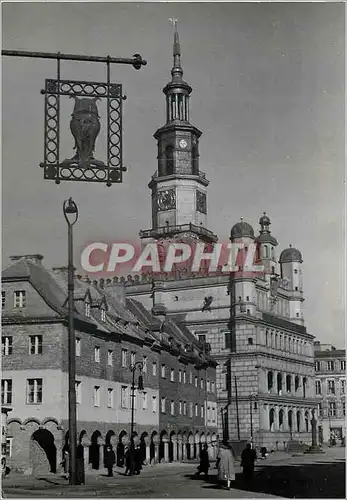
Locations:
column 268, row 95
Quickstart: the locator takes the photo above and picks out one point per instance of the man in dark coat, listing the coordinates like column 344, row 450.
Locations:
column 110, row 459
column 130, row 460
column 204, row 462
column 248, row 457
column 137, row 460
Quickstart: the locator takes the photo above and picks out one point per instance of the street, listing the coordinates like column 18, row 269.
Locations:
column 280, row 475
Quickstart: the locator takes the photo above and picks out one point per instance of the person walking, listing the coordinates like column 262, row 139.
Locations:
column 137, row 460
column 66, row 461
column 225, row 465
column 110, row 459
column 204, row 462
column 130, row 460
column 248, row 457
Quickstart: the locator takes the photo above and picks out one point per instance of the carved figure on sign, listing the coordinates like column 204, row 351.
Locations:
column 207, row 304
column 85, row 127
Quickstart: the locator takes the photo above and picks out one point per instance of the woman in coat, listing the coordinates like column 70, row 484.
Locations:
column 225, row 465
column 110, row 459
column 204, row 462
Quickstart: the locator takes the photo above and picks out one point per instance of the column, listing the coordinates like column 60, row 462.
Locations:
column 184, row 449
column 276, row 426
column 180, row 448
column 191, row 445
column 174, row 448
column 262, row 420
column 166, row 449
column 274, row 385
column 285, row 419
column 101, row 444
column 148, row 450
column 197, row 450
column 86, row 445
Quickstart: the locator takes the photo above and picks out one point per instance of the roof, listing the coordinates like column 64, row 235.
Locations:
column 336, row 353
column 242, row 229
column 266, row 237
column 290, row 255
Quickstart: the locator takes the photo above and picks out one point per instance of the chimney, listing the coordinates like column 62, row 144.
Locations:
column 35, row 258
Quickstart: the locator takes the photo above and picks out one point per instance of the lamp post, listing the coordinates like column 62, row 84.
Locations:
column 251, row 399
column 71, row 215
column 138, row 365
column 237, row 409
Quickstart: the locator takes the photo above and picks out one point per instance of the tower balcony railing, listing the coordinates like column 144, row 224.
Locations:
column 176, row 229
column 202, row 175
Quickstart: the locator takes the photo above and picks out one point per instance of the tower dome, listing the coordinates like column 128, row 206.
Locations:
column 290, row 254
column 242, row 229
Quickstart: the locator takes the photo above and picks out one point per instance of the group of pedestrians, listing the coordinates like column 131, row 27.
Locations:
column 226, row 464
column 132, row 457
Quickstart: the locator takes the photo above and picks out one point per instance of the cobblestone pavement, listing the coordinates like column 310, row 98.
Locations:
column 280, row 475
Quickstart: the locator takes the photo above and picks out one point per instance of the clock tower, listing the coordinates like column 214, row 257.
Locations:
column 179, row 188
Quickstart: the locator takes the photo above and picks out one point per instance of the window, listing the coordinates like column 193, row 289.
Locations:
column 78, row 347
column 208, row 388
column 34, row 391
column 8, row 444
column 213, row 387
column 332, row 409
column 109, row 397
column 172, row 407
column 87, row 309
column 295, row 271
column 6, row 392
column 331, row 386
column 132, row 358
column 3, row 299
column 184, row 377
column 344, row 408
column 317, row 366
column 154, row 404
column 172, row 375
column 97, row 354
column 330, row 366
column 201, row 383
column 110, row 357
column 163, row 371
column 144, row 364
column 180, row 408
column 144, row 400
column 343, row 386
column 124, row 396
column 320, row 410
column 124, row 358
column 184, row 408
column 250, row 341
column 103, row 315
column 154, row 369
column 35, row 344
column 196, row 381
column 196, row 410
column 190, row 377
column 248, row 312
column 19, row 299
column 318, row 387
column 191, row 410
column 78, row 390
column 343, row 365
column 163, row 405
column 6, row 345
column 96, row 395
column 247, row 298
column 202, row 339
column 202, row 411
column 180, row 376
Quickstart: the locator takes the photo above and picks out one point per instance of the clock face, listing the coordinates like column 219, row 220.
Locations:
column 167, row 200
column 183, row 144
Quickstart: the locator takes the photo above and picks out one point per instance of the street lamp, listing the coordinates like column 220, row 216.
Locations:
column 71, row 215
column 138, row 365
column 251, row 399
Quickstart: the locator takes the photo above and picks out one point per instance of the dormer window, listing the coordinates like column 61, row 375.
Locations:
column 19, row 299
column 103, row 315
column 87, row 309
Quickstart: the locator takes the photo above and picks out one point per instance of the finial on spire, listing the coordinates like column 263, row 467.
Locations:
column 176, row 45
column 241, row 219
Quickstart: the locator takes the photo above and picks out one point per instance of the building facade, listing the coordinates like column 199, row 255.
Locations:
column 253, row 323
column 330, row 371
column 111, row 337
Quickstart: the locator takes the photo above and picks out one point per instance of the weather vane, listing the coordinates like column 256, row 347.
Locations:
column 173, row 21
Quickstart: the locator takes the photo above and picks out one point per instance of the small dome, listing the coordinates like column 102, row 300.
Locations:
column 290, row 255
column 264, row 220
column 242, row 229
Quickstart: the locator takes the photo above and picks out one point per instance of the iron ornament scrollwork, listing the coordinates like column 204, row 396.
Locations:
column 167, row 200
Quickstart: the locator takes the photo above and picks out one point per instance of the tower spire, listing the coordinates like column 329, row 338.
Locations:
column 177, row 71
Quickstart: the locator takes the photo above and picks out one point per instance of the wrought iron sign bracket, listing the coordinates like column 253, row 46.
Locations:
column 85, row 122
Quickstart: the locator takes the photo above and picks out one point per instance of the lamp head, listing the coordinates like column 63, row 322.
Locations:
column 70, row 210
